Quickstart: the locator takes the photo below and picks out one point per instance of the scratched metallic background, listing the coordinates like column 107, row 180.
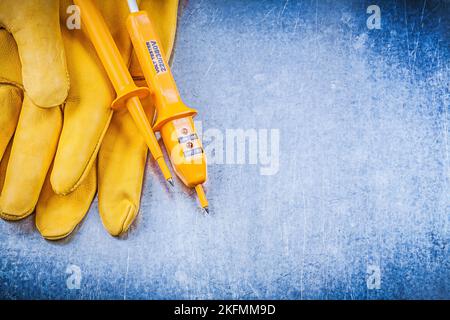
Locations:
column 364, row 166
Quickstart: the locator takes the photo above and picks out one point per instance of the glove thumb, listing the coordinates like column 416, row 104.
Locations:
column 34, row 25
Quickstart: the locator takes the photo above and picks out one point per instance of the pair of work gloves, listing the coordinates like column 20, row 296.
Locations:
column 60, row 141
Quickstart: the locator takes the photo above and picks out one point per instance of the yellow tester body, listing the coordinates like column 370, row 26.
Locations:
column 174, row 119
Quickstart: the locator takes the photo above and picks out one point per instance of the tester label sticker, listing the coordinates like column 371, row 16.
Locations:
column 156, row 56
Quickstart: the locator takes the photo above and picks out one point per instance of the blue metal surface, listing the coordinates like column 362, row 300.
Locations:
column 359, row 208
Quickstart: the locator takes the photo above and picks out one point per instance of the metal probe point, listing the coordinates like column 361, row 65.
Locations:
column 206, row 209
column 170, row 181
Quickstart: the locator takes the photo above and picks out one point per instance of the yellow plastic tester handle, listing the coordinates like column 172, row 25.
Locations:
column 174, row 118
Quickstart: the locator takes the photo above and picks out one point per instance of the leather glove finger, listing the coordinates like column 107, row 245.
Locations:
column 30, row 159
column 87, row 115
column 121, row 167
column 58, row 216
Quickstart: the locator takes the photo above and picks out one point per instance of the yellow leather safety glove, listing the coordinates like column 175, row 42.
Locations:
column 69, row 133
column 122, row 157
